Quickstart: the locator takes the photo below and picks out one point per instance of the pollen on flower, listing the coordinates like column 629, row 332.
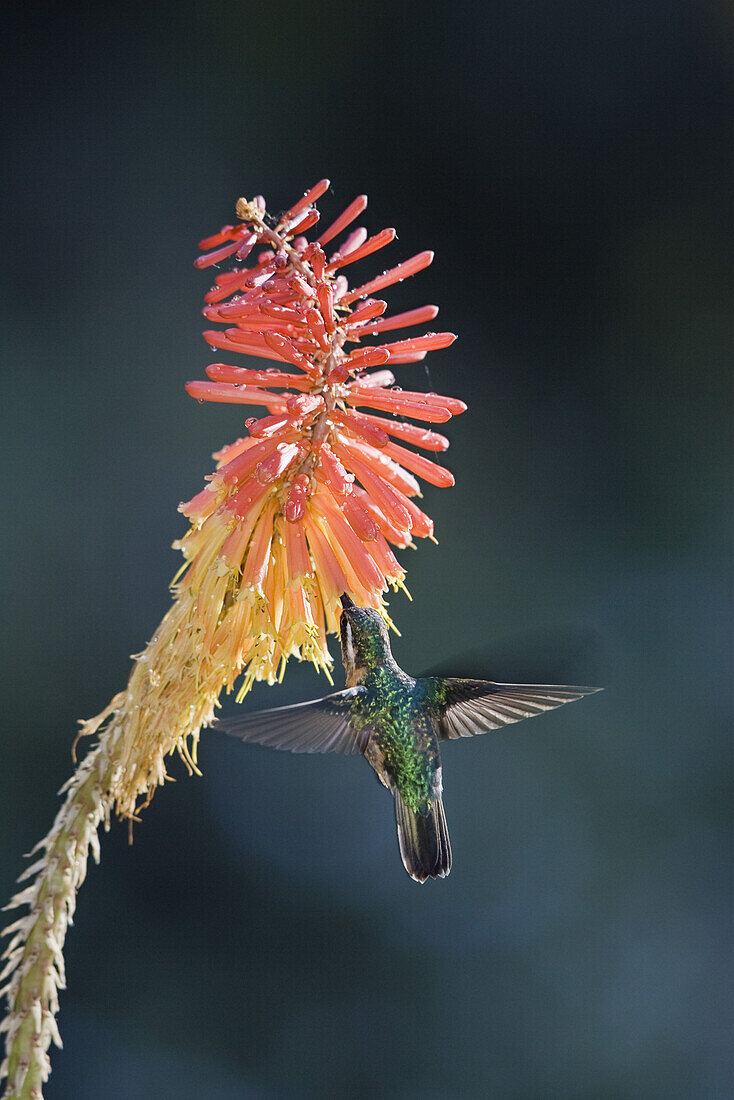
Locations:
column 310, row 503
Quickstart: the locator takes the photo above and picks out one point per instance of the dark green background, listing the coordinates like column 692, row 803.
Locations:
column 570, row 164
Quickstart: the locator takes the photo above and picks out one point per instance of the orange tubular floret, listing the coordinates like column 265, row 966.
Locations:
column 360, row 426
column 354, row 241
column 258, row 555
column 235, row 545
column 423, row 467
column 346, row 543
column 325, row 297
column 379, row 379
column 252, row 321
column 300, row 609
column 282, row 313
column 388, row 499
column 251, row 494
column 201, row 506
column 383, row 466
column 359, row 518
column 244, row 343
column 392, row 533
column 286, row 350
column 329, row 572
column 408, row 357
column 440, row 400
column 314, row 253
column 231, row 450
column 363, row 358
column 437, row 400
column 420, row 524
column 278, row 462
column 316, row 325
column 361, row 595
column 304, row 405
column 267, row 426
column 244, row 464
column 295, row 505
column 274, row 593
column 384, row 558
column 308, row 222
column 331, row 471
column 411, row 433
column 293, row 537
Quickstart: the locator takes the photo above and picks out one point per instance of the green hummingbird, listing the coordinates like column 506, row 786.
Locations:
column 397, row 723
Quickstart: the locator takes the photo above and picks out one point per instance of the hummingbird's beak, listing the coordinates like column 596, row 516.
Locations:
column 346, row 601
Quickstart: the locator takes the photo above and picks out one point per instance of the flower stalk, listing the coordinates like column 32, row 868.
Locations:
column 308, row 505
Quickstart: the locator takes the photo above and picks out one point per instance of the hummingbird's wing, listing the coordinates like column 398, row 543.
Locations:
column 463, row 708
column 322, row 725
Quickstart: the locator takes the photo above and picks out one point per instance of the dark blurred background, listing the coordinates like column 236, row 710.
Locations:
column 570, row 164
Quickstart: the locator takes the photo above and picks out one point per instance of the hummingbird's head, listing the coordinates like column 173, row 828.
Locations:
column 364, row 639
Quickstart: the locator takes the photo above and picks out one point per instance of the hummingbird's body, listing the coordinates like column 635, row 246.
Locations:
column 397, row 723
column 402, row 746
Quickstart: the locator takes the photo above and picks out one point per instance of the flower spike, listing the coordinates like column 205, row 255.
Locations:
column 328, row 487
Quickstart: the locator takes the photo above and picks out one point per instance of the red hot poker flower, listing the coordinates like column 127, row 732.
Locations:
column 305, row 507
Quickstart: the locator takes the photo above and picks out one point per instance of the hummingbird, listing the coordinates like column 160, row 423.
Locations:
column 397, row 723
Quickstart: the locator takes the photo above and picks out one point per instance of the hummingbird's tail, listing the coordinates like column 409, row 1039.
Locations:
column 424, row 839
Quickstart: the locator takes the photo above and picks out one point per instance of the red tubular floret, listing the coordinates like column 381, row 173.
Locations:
column 238, row 395
column 325, row 297
column 372, row 244
column 394, row 275
column 347, row 216
column 390, row 500
column 361, row 426
column 432, row 341
column 306, row 223
column 363, row 358
column 245, row 464
column 219, row 254
column 398, row 320
column 223, row 372
column 330, row 470
column 385, row 467
column 309, row 197
column 411, row 433
column 278, row 462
